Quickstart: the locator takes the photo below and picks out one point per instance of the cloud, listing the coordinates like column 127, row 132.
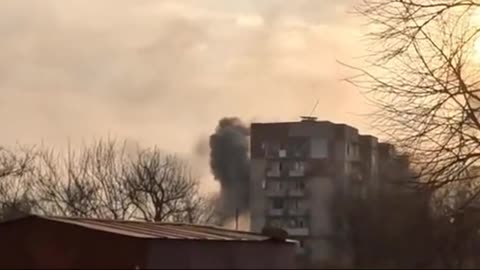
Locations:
column 163, row 72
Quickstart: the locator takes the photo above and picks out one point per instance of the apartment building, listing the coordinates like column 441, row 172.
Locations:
column 300, row 174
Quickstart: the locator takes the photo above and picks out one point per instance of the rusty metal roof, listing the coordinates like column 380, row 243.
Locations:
column 152, row 230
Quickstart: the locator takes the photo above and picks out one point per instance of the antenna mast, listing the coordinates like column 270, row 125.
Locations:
column 314, row 107
column 310, row 118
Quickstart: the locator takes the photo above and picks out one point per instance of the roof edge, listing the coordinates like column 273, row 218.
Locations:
column 83, row 222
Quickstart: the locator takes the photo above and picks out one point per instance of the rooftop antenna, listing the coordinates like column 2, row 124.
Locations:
column 314, row 107
column 310, row 117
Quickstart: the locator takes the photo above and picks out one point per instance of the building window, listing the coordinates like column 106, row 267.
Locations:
column 301, row 243
column 273, row 185
column 272, row 149
column 300, row 223
column 297, row 223
column 299, row 166
column 297, row 204
column 275, row 222
column 299, row 185
column 348, row 168
column 297, row 169
column 277, row 203
column 275, row 166
column 319, row 148
column 273, row 169
column 264, row 146
column 293, row 223
column 297, row 150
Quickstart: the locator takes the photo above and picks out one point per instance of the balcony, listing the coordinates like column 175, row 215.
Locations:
column 276, row 212
column 296, row 192
column 298, row 211
column 276, row 193
column 276, row 153
column 296, row 173
column 273, row 173
column 298, row 231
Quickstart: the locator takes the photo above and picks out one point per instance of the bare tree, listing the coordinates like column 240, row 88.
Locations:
column 15, row 197
column 163, row 188
column 422, row 75
column 104, row 180
column 105, row 163
column 62, row 186
column 15, row 162
column 198, row 209
column 16, row 166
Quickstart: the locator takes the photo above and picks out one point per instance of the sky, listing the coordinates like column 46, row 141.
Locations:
column 163, row 72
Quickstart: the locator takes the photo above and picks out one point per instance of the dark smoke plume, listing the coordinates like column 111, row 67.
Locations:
column 230, row 162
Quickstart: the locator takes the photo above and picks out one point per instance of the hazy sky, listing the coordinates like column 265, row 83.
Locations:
column 164, row 72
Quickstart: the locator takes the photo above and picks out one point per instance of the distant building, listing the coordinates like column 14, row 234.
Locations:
column 72, row 243
column 301, row 173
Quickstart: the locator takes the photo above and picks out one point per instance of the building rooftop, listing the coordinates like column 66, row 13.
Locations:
column 303, row 120
column 153, row 230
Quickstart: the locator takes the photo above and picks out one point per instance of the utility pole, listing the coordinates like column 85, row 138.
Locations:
column 236, row 218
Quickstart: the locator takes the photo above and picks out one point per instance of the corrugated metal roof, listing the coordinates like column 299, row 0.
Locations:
column 154, row 230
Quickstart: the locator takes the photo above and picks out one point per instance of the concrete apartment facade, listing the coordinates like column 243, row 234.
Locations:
column 300, row 174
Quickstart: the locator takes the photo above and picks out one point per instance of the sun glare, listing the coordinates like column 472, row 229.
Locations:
column 475, row 21
column 476, row 50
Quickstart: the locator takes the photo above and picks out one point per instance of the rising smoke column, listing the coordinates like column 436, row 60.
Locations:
column 230, row 164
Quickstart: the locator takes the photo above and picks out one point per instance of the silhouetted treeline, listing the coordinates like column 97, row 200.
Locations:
column 102, row 180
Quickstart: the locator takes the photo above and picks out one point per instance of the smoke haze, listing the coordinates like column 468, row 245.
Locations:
column 230, row 164
column 164, row 71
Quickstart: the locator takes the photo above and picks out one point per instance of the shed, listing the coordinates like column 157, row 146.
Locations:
column 76, row 243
